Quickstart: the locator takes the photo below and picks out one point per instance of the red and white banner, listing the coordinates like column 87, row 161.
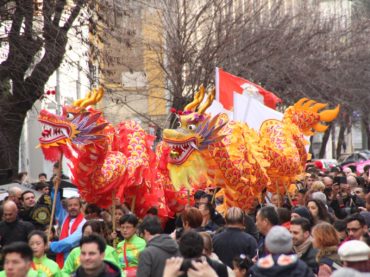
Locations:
column 243, row 101
column 227, row 84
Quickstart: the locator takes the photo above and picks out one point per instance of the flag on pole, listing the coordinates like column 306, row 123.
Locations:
column 227, row 84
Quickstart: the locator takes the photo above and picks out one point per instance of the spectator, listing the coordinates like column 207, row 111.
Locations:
column 129, row 250
column 159, row 248
column 266, row 218
column 12, row 229
column 242, row 265
column 38, row 215
column 302, row 242
column 284, row 217
column 116, row 235
column 279, row 262
column 301, row 211
column 14, row 194
column 197, row 196
column 191, row 219
column 326, row 240
column 317, row 186
column 356, row 227
column 42, row 188
column 233, row 241
column 328, row 181
column 92, row 211
column 341, row 228
column 318, row 211
column 92, row 259
column 73, row 260
column 207, row 212
column 208, row 250
column 355, row 254
column 216, row 217
column 71, row 232
column 301, row 196
column 37, row 240
column 191, row 247
column 17, row 260
column 43, row 178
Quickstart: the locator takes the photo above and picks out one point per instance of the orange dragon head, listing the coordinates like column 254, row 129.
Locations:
column 77, row 125
column 305, row 114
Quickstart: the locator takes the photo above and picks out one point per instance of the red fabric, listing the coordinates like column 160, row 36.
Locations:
column 64, row 234
column 229, row 83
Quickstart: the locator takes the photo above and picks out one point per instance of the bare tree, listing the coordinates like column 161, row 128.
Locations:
column 34, row 36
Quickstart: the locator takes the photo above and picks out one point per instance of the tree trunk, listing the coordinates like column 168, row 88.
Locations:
column 340, row 138
column 325, row 140
column 365, row 122
column 10, row 134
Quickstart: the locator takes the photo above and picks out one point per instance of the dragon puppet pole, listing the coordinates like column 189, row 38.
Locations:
column 133, row 203
column 113, row 209
column 287, row 193
column 56, row 181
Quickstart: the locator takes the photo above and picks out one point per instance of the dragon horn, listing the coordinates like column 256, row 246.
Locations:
column 78, row 102
column 89, row 99
column 198, row 98
column 210, row 98
column 308, row 104
column 95, row 98
column 319, row 127
column 329, row 115
column 319, row 106
column 300, row 102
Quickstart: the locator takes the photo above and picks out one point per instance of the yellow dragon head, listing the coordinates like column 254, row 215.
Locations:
column 196, row 131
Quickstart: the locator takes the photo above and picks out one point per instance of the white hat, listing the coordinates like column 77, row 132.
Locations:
column 354, row 251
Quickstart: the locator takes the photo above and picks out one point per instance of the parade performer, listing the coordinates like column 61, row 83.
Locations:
column 129, row 249
column 71, row 232
column 206, row 150
column 44, row 266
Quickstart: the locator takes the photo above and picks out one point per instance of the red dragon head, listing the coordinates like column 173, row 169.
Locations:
column 77, row 125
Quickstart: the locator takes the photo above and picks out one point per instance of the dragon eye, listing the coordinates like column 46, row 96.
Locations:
column 70, row 116
column 178, row 124
column 192, row 127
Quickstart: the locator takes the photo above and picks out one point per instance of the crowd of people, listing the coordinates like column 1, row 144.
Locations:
column 321, row 228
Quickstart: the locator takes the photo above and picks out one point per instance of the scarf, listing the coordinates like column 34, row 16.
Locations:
column 301, row 249
column 64, row 234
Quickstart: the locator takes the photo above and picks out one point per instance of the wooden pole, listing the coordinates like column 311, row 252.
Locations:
column 278, row 193
column 57, row 180
column 287, row 192
column 113, row 210
column 113, row 216
column 188, row 194
column 133, row 204
column 214, row 196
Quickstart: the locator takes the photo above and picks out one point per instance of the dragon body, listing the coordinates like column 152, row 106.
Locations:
column 214, row 151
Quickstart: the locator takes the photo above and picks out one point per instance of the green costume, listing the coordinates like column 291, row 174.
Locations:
column 73, row 260
column 31, row 273
column 133, row 247
column 46, row 267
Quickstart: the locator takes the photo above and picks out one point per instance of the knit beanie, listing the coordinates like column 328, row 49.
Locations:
column 303, row 212
column 279, row 240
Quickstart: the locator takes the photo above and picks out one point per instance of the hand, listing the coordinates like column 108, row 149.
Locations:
column 202, row 269
column 172, row 267
column 362, row 209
